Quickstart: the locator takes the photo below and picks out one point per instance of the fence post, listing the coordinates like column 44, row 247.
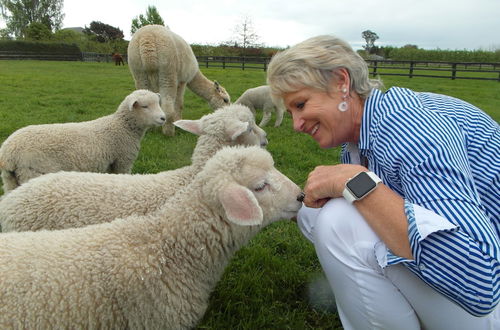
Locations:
column 453, row 71
column 265, row 65
column 224, row 62
column 206, row 61
column 411, row 69
column 243, row 63
column 375, row 63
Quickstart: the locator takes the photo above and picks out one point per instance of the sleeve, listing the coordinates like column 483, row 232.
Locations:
column 454, row 243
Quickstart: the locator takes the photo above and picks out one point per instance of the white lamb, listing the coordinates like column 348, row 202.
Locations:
column 107, row 144
column 73, row 199
column 144, row 272
column 163, row 62
column 260, row 98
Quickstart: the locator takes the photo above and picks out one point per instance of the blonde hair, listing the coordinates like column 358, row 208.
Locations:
column 313, row 63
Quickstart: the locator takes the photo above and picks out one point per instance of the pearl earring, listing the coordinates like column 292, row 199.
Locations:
column 343, row 106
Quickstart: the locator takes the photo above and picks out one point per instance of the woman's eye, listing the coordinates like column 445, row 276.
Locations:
column 300, row 105
column 261, row 187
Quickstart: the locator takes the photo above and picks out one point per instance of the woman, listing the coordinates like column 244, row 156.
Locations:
column 407, row 228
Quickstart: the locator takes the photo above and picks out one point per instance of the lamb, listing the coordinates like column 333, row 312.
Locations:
column 149, row 272
column 162, row 61
column 107, row 144
column 72, row 199
column 260, row 98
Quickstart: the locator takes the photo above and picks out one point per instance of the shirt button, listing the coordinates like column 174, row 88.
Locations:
column 422, row 267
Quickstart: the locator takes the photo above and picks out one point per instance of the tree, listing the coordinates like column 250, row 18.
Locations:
column 370, row 38
column 19, row 14
column 152, row 17
column 245, row 35
column 103, row 32
column 37, row 31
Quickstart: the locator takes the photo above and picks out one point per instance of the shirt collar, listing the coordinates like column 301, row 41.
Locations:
column 369, row 110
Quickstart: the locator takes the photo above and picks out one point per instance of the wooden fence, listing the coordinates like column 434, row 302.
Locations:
column 12, row 55
column 411, row 69
column 435, row 69
column 429, row 69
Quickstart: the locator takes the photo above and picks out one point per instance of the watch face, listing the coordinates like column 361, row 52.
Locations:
column 361, row 184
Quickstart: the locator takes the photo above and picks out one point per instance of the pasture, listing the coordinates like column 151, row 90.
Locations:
column 276, row 281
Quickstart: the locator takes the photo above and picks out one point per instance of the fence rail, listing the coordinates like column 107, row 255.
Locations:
column 435, row 69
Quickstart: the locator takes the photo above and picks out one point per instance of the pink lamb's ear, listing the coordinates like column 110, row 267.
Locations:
column 240, row 205
column 192, row 126
column 134, row 105
column 236, row 128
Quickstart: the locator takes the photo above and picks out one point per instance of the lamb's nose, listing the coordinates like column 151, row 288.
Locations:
column 301, row 197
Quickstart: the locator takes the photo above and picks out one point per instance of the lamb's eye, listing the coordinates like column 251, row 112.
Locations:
column 144, row 106
column 261, row 187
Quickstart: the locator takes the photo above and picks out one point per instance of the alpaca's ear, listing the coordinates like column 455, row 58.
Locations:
column 235, row 128
column 192, row 126
column 240, row 205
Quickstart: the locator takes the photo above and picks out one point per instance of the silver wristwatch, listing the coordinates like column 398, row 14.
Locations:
column 360, row 186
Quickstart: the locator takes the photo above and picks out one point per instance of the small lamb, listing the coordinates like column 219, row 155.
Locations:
column 74, row 199
column 260, row 98
column 162, row 61
column 108, row 144
column 145, row 272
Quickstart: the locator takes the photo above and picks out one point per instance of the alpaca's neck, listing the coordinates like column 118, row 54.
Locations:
column 201, row 86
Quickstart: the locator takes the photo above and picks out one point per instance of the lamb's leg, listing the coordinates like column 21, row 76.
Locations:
column 23, row 174
column 280, row 111
column 266, row 116
column 9, row 181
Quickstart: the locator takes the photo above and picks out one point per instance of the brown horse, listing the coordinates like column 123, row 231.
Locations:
column 117, row 58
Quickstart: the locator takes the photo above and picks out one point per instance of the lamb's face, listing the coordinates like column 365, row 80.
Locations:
column 220, row 97
column 146, row 107
column 275, row 193
column 249, row 188
column 254, row 136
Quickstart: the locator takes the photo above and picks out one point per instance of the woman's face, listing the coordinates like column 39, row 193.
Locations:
column 316, row 113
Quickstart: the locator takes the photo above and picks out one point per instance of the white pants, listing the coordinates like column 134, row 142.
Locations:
column 367, row 296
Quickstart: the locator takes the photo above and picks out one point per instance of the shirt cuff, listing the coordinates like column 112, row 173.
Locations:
column 421, row 223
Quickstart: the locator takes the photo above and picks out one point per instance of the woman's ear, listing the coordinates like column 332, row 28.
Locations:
column 341, row 80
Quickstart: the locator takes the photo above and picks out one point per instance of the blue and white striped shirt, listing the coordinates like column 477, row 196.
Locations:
column 442, row 155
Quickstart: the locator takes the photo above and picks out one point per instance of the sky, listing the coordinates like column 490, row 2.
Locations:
column 429, row 24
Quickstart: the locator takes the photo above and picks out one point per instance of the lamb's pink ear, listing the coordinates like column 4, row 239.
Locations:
column 134, row 105
column 236, row 128
column 192, row 126
column 240, row 205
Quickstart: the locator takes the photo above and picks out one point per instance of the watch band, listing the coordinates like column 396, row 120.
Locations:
column 351, row 197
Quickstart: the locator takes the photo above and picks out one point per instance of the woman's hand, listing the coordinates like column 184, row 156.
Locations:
column 326, row 182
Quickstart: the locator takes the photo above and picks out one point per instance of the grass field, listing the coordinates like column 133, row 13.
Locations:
column 276, row 281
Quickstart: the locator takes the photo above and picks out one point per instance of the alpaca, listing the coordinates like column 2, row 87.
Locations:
column 163, row 62
column 118, row 59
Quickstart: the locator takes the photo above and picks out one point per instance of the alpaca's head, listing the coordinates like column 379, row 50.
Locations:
column 219, row 97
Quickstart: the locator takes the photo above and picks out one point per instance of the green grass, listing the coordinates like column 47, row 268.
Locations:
column 276, row 281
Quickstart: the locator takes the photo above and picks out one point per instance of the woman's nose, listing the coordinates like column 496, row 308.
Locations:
column 298, row 122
